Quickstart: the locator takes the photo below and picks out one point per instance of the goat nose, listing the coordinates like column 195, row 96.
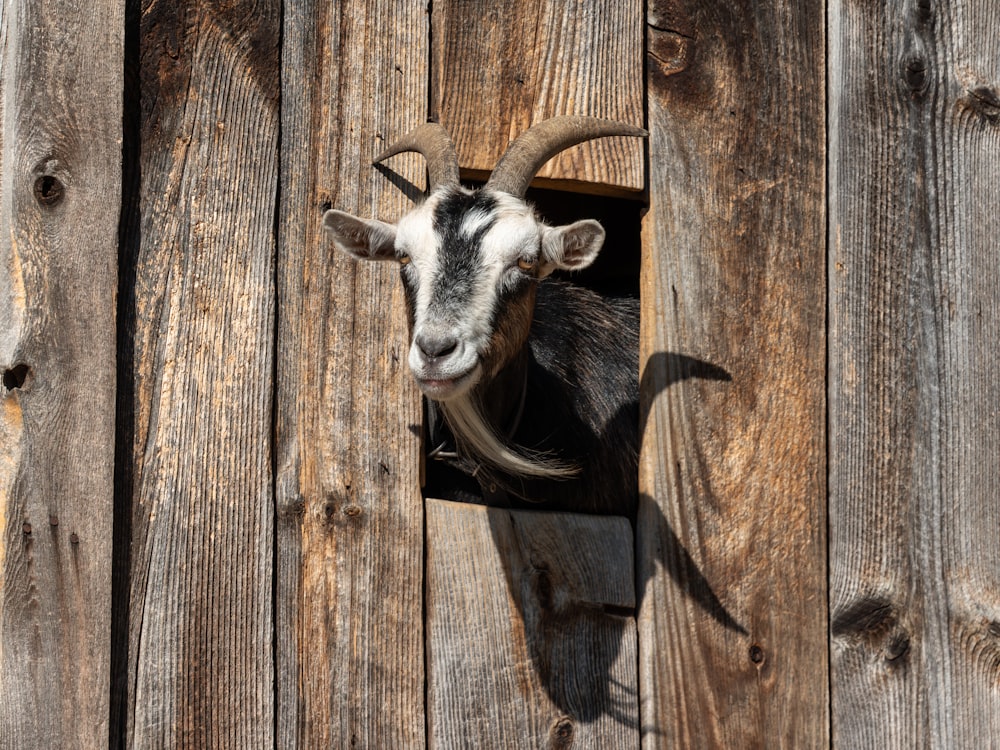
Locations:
column 434, row 347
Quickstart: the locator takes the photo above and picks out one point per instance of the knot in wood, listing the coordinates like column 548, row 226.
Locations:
column 985, row 102
column 669, row 52
column 561, row 733
column 897, row 646
column 48, row 190
column 916, row 75
column 16, row 377
column 49, row 186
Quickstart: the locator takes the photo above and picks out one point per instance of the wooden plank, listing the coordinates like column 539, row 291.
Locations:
column 499, row 67
column 199, row 259
column 915, row 307
column 60, row 187
column 349, row 593
column 531, row 639
column 731, row 528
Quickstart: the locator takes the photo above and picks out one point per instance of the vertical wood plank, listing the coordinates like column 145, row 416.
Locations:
column 915, row 307
column 530, row 637
column 499, row 67
column 349, row 603
column 731, row 529
column 201, row 251
column 60, row 186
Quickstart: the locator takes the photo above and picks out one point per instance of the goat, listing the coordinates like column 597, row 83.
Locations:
column 536, row 379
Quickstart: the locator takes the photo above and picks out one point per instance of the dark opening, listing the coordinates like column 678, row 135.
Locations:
column 615, row 273
column 616, row 270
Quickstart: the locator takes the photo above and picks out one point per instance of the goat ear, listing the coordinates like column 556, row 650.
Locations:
column 572, row 247
column 364, row 239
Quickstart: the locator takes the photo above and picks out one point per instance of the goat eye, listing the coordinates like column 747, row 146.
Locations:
column 525, row 264
column 404, row 259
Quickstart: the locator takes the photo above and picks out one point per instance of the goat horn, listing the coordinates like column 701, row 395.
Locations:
column 539, row 143
column 433, row 141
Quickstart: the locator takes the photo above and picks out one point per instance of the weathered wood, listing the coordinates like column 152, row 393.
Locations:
column 349, row 591
column 530, row 636
column 199, row 258
column 915, row 308
column 500, row 66
column 731, row 529
column 60, row 161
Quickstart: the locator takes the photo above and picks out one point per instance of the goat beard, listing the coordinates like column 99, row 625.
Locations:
column 477, row 439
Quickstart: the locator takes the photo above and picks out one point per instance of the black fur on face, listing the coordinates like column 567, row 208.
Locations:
column 460, row 258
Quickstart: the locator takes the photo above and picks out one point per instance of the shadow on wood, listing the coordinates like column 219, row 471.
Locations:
column 407, row 188
column 683, row 570
column 669, row 368
column 571, row 578
column 531, row 630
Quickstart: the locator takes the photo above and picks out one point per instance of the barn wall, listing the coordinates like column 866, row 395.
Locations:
column 211, row 526
column 498, row 67
column 196, row 508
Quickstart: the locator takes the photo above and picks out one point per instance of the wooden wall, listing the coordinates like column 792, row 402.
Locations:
column 731, row 532
column 212, row 532
column 914, row 300
column 349, row 597
column 60, row 199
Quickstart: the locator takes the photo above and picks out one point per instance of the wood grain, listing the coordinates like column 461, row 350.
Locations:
column 915, row 307
column 349, row 591
column 60, row 183
column 199, row 260
column 731, row 528
column 498, row 67
column 530, row 636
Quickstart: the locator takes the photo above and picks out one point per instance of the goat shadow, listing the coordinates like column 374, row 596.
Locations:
column 583, row 685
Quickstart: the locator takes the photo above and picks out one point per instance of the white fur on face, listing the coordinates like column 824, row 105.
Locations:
column 455, row 289
column 455, row 292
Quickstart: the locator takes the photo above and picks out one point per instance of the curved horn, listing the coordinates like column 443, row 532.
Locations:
column 539, row 143
column 433, row 141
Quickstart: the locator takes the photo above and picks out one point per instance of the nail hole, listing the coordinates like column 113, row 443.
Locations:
column 756, row 654
column 16, row 377
column 48, row 190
